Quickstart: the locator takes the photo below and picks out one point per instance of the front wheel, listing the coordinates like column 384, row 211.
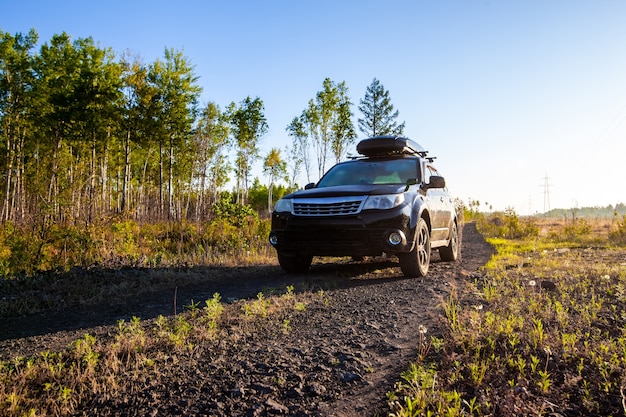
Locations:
column 416, row 262
column 294, row 264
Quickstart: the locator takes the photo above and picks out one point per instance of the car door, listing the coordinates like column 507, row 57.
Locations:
column 440, row 212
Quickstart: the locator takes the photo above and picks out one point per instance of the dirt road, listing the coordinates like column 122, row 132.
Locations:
column 338, row 357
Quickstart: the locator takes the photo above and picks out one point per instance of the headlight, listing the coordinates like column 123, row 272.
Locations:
column 283, row 205
column 383, row 202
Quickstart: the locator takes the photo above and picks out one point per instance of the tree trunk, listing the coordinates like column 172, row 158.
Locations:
column 126, row 179
column 170, row 180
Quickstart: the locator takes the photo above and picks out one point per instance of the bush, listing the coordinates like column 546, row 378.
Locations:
column 507, row 225
column 578, row 231
column 236, row 214
column 618, row 236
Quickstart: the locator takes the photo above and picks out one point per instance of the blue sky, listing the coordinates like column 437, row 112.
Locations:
column 505, row 93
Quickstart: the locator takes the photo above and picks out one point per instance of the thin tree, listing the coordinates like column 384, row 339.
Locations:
column 327, row 123
column 248, row 125
column 178, row 93
column 343, row 133
column 57, row 70
column 294, row 164
column 135, row 84
column 97, row 103
column 275, row 168
column 210, row 142
column 379, row 117
column 299, row 152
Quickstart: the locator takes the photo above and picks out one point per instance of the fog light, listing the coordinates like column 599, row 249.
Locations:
column 273, row 239
column 395, row 238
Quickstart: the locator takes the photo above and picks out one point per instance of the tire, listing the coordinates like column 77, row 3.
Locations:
column 451, row 252
column 416, row 262
column 294, row 264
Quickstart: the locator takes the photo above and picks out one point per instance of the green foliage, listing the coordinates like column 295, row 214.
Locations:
column 212, row 311
column 419, row 395
column 326, row 122
column 248, row 124
column 259, row 194
column 236, row 214
column 507, row 224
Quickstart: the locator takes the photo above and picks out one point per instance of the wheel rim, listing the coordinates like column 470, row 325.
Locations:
column 423, row 247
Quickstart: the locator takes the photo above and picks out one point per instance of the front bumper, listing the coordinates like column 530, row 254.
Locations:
column 370, row 233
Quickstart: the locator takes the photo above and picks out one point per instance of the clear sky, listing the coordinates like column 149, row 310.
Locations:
column 509, row 95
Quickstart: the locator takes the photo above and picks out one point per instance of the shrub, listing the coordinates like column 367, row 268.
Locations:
column 507, row 225
column 618, row 236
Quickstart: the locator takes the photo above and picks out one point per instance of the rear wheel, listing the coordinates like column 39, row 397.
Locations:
column 451, row 252
column 294, row 264
column 416, row 262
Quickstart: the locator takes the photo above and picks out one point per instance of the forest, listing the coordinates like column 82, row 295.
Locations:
column 95, row 143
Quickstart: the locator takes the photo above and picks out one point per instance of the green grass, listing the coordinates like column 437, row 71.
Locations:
column 542, row 331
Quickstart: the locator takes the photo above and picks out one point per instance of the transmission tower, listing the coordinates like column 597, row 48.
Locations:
column 546, row 193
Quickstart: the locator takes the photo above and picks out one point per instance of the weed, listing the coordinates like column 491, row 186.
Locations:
column 212, row 312
column 286, row 326
column 258, row 307
column 452, row 311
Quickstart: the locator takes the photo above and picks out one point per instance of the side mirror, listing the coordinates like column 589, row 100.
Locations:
column 309, row 186
column 437, row 182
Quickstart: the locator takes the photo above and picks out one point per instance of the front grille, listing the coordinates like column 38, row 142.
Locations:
column 335, row 206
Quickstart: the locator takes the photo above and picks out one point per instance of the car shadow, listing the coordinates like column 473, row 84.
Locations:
column 181, row 287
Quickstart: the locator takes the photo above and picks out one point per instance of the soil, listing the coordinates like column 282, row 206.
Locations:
column 338, row 357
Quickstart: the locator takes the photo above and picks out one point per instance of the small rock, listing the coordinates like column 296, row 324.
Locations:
column 237, row 392
column 275, row 407
column 350, row 377
column 261, row 389
column 294, row 393
column 317, row 389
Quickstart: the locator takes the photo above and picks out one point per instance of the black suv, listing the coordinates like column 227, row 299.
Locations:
column 388, row 200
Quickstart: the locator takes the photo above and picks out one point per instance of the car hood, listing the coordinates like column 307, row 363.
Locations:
column 348, row 190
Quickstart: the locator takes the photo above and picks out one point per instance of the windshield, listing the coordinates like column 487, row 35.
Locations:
column 394, row 171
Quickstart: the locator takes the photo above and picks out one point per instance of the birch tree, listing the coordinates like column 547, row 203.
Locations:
column 275, row 168
column 327, row 124
column 248, row 125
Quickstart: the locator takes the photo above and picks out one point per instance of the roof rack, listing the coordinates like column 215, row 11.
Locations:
column 389, row 145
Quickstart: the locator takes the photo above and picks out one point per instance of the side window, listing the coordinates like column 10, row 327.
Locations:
column 430, row 170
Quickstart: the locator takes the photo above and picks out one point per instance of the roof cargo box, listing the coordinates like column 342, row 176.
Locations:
column 389, row 145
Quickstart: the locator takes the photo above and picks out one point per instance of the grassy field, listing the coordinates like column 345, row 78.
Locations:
column 541, row 331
